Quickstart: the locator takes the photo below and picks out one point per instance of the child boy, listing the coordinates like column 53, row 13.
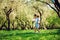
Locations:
column 37, row 22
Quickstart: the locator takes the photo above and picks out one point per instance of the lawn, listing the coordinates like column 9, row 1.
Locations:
column 53, row 34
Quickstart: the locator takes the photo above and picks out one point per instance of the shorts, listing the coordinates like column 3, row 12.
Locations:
column 37, row 25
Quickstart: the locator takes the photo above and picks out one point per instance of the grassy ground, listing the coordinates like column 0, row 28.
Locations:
column 53, row 34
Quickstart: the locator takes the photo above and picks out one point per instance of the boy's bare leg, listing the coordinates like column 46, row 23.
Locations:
column 34, row 29
column 38, row 30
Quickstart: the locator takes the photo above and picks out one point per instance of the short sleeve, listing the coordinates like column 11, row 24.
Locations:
column 39, row 20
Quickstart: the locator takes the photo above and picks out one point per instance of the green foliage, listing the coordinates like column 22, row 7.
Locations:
column 53, row 21
column 23, row 12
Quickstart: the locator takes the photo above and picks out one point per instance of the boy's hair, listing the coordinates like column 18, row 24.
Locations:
column 35, row 15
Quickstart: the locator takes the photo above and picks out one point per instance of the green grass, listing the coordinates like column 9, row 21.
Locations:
column 53, row 34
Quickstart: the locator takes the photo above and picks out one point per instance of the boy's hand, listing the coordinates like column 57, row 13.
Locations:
column 39, row 22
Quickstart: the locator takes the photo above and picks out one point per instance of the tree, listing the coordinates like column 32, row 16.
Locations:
column 57, row 6
column 40, row 13
column 7, row 12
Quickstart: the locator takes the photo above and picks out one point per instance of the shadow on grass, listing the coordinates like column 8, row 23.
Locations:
column 30, row 34
column 58, row 31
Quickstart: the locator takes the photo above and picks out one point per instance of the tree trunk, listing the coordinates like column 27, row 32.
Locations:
column 3, row 25
column 7, row 12
column 13, row 25
column 40, row 16
column 8, row 19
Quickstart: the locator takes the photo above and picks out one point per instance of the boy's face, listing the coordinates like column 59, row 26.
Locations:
column 35, row 16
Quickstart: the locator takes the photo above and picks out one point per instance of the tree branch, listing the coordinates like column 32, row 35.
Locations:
column 52, row 8
column 49, row 5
